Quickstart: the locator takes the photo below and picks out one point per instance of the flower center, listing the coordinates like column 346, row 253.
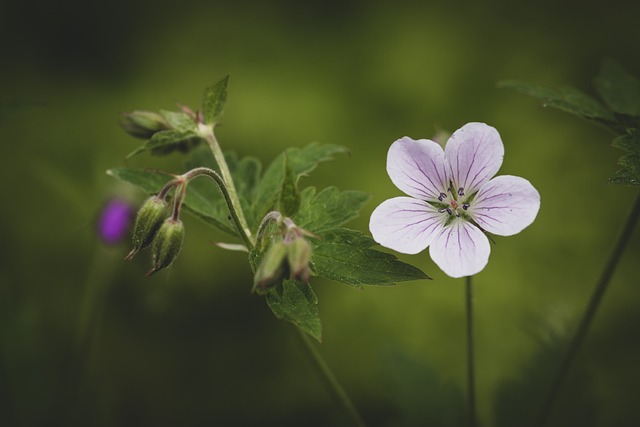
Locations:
column 452, row 203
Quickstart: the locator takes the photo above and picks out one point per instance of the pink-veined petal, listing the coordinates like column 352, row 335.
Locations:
column 405, row 224
column 505, row 205
column 417, row 167
column 474, row 153
column 460, row 249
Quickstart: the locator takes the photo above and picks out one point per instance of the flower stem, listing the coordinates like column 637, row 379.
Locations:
column 330, row 381
column 236, row 214
column 590, row 312
column 471, row 379
column 208, row 134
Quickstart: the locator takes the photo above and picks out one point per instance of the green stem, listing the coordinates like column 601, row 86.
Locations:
column 330, row 381
column 236, row 214
column 207, row 132
column 589, row 314
column 471, row 378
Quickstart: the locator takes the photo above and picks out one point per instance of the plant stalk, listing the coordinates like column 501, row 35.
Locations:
column 590, row 312
column 330, row 381
column 471, row 378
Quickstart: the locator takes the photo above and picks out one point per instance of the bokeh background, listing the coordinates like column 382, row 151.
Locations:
column 86, row 339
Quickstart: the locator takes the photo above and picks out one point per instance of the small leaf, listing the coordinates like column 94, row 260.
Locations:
column 301, row 161
column 214, row 100
column 289, row 193
column 567, row 99
column 296, row 303
column 179, row 120
column 619, row 89
column 328, row 209
column 346, row 256
column 167, row 141
column 629, row 142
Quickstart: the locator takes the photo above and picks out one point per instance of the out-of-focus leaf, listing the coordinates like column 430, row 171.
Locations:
column 619, row 89
column 167, row 141
column 328, row 209
column 346, row 256
column 214, row 100
column 179, row 120
column 567, row 99
column 629, row 142
column 289, row 193
column 296, row 303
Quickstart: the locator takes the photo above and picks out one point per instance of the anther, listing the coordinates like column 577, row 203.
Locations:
column 465, row 206
column 442, row 196
column 442, row 210
column 460, row 191
column 449, row 211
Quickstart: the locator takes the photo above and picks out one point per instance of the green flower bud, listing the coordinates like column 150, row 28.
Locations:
column 167, row 244
column 148, row 222
column 272, row 268
column 143, row 124
column 299, row 255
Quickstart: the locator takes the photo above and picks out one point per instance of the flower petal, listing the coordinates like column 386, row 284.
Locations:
column 417, row 167
column 475, row 153
column 460, row 249
column 505, row 205
column 406, row 225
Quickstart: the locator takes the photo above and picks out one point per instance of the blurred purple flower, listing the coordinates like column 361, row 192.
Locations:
column 115, row 221
column 453, row 199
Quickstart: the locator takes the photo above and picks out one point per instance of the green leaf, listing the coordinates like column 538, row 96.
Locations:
column 629, row 142
column 328, row 209
column 214, row 100
column 346, row 256
column 629, row 174
column 179, row 120
column 619, row 89
column 289, row 193
column 296, row 303
column 567, row 99
column 206, row 206
column 167, row 141
column 301, row 161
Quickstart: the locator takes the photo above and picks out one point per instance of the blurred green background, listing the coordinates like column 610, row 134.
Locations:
column 87, row 339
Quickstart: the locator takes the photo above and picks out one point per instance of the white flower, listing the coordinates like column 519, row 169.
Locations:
column 454, row 199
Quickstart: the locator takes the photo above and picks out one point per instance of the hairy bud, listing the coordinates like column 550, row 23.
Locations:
column 167, row 244
column 143, row 124
column 272, row 268
column 299, row 256
column 148, row 222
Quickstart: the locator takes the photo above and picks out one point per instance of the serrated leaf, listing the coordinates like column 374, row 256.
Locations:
column 629, row 142
column 301, row 161
column 167, row 141
column 296, row 303
column 179, row 120
column 567, row 99
column 289, row 193
column 619, row 89
column 200, row 204
column 346, row 256
column 625, row 176
column 328, row 209
column 214, row 100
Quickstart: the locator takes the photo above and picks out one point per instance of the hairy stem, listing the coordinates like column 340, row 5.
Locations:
column 236, row 215
column 330, row 381
column 209, row 136
column 471, row 378
column 590, row 312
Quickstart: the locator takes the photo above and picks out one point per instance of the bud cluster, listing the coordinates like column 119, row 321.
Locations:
column 157, row 228
column 288, row 256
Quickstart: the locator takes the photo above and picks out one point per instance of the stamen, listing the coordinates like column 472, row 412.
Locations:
column 449, row 211
column 442, row 210
column 460, row 191
column 442, row 196
column 465, row 206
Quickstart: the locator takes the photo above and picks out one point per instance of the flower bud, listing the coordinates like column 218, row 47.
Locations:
column 272, row 268
column 143, row 124
column 167, row 244
column 299, row 255
column 148, row 222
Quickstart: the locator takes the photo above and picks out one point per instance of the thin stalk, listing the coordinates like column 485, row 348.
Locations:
column 237, row 215
column 330, row 381
column 590, row 312
column 471, row 376
column 207, row 133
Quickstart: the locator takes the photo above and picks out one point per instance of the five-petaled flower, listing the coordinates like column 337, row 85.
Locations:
column 453, row 199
